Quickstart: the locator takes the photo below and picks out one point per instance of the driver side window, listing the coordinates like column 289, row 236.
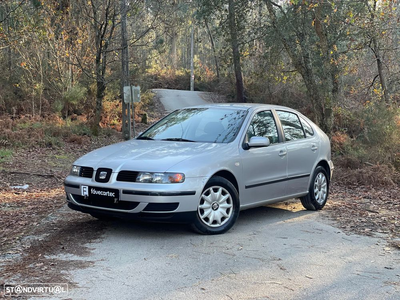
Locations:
column 263, row 124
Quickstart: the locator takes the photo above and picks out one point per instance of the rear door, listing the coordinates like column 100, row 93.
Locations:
column 302, row 151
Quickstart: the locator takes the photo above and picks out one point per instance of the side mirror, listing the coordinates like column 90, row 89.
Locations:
column 258, row 141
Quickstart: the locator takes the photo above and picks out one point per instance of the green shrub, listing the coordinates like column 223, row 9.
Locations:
column 81, row 129
column 70, row 99
column 379, row 125
column 5, row 155
column 51, row 142
column 369, row 136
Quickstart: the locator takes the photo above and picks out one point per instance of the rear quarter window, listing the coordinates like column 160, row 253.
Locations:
column 307, row 128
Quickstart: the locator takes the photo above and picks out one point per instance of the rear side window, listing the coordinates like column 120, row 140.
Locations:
column 292, row 127
column 307, row 128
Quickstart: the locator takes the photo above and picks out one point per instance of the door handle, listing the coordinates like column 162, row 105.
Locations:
column 314, row 147
column 282, row 153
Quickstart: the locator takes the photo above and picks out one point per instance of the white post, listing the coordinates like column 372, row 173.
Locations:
column 191, row 60
column 133, row 111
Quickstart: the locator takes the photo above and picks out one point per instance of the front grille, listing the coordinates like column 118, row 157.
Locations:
column 105, row 203
column 86, row 172
column 128, row 176
column 161, row 207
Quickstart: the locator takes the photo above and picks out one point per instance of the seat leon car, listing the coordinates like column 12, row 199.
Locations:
column 202, row 165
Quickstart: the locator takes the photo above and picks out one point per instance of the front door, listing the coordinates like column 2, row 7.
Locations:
column 264, row 168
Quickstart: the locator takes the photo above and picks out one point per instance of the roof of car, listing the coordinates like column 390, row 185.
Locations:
column 241, row 106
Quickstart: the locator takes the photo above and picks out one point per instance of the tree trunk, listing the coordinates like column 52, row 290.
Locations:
column 8, row 49
column 41, row 86
column 379, row 64
column 378, row 57
column 321, row 94
column 174, row 56
column 100, row 62
column 33, row 102
column 240, row 97
column 100, row 91
column 126, row 115
column 329, row 88
column 213, row 48
column 104, row 30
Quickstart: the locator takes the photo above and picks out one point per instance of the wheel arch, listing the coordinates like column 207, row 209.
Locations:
column 228, row 176
column 325, row 165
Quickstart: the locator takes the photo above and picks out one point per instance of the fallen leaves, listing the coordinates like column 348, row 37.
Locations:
column 21, row 211
column 367, row 210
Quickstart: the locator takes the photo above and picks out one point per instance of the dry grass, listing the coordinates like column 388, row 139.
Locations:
column 378, row 175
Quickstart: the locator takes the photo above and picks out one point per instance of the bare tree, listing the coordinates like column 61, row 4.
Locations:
column 102, row 17
column 240, row 96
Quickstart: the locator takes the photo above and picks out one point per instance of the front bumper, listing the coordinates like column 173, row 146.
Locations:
column 175, row 217
column 137, row 200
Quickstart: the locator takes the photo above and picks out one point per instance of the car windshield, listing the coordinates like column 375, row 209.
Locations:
column 210, row 125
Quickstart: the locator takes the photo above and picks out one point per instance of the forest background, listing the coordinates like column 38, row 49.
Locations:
column 338, row 62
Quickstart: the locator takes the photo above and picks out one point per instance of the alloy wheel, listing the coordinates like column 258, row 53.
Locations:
column 320, row 188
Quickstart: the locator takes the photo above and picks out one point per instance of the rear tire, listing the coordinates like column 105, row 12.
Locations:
column 318, row 191
column 218, row 207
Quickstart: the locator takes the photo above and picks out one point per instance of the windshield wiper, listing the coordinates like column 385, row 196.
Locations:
column 144, row 138
column 177, row 140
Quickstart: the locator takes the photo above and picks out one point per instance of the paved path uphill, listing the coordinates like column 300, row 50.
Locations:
column 176, row 99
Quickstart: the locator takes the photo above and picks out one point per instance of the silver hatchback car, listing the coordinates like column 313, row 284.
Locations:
column 202, row 165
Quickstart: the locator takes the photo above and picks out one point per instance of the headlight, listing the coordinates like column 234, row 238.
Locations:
column 75, row 171
column 148, row 177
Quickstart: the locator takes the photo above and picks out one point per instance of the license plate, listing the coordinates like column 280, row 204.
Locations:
column 99, row 193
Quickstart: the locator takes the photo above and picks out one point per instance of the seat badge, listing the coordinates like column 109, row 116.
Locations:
column 103, row 175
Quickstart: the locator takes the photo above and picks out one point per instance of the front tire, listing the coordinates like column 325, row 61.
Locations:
column 318, row 191
column 218, row 207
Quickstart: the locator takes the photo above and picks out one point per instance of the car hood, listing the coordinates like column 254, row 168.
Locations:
column 145, row 155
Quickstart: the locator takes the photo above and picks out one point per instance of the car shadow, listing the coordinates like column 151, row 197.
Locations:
column 269, row 214
column 273, row 213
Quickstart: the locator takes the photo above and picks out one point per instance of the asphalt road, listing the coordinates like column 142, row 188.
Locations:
column 275, row 252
